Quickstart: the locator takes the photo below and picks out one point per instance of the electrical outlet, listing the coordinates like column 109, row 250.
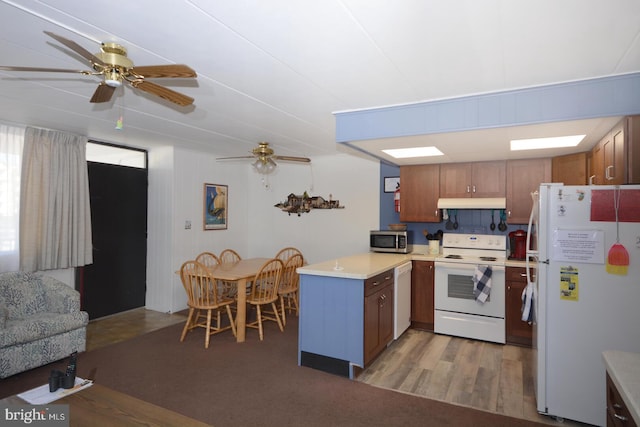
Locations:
column 187, row 225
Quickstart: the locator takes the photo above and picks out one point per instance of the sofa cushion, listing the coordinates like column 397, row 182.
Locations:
column 40, row 326
column 22, row 294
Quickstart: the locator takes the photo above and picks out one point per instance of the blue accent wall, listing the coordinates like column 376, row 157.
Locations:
column 585, row 99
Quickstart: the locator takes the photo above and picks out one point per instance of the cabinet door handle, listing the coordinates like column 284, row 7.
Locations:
column 468, row 189
column 620, row 417
column 437, row 213
column 382, row 300
column 474, row 188
column 375, row 283
column 591, row 179
column 607, row 173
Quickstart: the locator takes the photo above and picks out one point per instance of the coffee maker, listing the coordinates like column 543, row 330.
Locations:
column 518, row 245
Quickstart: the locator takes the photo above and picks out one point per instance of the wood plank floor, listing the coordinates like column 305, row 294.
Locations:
column 123, row 326
column 486, row 376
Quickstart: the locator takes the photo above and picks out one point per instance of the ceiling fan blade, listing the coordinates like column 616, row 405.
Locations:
column 47, row 70
column 162, row 92
column 163, row 71
column 293, row 159
column 76, row 48
column 235, row 158
column 103, row 93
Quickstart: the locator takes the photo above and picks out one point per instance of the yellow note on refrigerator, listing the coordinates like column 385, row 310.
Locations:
column 569, row 283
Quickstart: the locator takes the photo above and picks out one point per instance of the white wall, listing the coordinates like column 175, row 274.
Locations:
column 319, row 234
column 255, row 226
column 160, row 280
column 176, row 195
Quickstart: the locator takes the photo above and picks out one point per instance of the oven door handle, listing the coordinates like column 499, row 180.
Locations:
column 461, row 266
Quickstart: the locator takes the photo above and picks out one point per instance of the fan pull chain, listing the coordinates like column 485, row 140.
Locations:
column 265, row 182
column 120, row 119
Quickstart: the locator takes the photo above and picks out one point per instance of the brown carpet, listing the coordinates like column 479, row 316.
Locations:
column 254, row 383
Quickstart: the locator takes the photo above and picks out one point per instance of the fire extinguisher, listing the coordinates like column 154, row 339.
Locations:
column 396, row 199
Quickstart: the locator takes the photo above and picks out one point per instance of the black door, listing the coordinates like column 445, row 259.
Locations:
column 116, row 281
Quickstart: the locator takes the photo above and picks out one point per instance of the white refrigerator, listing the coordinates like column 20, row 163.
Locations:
column 584, row 295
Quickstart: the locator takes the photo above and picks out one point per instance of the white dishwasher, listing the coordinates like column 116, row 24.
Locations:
column 402, row 299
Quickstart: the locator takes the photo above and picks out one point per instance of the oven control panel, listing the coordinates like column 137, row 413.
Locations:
column 474, row 241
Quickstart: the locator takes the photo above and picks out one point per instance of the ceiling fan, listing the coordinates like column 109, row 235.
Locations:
column 264, row 158
column 115, row 67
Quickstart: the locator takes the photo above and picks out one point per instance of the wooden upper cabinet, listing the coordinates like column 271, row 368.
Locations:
column 614, row 156
column 480, row 179
column 419, row 193
column 523, row 178
column 615, row 159
column 596, row 169
column 570, row 169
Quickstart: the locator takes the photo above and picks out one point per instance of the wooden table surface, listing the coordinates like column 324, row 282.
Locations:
column 101, row 406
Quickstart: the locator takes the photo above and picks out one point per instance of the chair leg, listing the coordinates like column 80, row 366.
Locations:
column 259, row 321
column 233, row 324
column 284, row 316
column 294, row 297
column 186, row 325
column 207, row 330
column 275, row 310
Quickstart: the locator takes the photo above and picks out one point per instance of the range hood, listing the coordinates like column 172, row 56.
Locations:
column 473, row 203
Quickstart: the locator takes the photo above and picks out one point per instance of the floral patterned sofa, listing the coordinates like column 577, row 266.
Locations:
column 40, row 321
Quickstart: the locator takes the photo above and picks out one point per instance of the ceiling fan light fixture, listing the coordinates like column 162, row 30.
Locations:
column 264, row 165
column 113, row 78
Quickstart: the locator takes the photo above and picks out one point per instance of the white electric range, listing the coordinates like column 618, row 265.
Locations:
column 457, row 312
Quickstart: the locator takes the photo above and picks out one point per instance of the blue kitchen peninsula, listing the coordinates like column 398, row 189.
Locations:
column 335, row 298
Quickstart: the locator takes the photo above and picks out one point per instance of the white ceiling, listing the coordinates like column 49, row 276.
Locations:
column 276, row 70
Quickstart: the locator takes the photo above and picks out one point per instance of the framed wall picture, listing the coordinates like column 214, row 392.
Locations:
column 216, row 200
column 391, row 183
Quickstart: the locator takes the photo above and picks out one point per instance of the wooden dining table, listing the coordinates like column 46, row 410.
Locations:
column 240, row 272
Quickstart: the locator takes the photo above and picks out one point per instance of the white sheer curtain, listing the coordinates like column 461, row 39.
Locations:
column 11, row 140
column 55, row 215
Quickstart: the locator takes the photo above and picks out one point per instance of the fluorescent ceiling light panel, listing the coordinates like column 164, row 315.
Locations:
column 553, row 142
column 405, row 153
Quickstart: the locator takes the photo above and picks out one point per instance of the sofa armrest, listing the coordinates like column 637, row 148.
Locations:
column 60, row 297
column 4, row 315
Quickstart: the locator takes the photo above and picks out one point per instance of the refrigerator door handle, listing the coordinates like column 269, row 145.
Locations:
column 532, row 217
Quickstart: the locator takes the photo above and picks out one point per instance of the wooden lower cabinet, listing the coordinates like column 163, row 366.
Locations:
column 618, row 414
column 378, row 314
column 422, row 295
column 518, row 332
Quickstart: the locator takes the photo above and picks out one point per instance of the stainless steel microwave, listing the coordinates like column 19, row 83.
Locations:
column 389, row 241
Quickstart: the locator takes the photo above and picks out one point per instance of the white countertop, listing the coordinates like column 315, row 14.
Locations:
column 361, row 266
column 624, row 370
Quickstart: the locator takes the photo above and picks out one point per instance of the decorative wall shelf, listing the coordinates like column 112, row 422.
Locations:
column 299, row 204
